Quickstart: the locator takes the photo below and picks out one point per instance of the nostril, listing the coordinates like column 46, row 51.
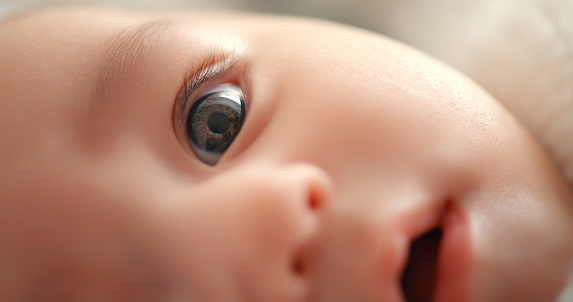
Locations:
column 315, row 184
column 314, row 200
column 298, row 267
column 319, row 189
column 419, row 276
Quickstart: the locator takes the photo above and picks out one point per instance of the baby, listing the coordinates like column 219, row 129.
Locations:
column 233, row 157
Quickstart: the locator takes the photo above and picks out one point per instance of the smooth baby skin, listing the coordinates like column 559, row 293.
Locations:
column 352, row 147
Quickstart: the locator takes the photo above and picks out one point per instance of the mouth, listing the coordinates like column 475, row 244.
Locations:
column 419, row 276
column 437, row 266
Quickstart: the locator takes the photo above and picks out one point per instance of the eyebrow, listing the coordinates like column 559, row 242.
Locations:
column 126, row 53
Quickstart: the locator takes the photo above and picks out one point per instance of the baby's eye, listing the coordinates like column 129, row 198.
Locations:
column 214, row 121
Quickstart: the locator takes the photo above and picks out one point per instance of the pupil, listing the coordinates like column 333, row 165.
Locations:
column 218, row 123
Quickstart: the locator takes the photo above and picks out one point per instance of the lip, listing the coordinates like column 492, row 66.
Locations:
column 453, row 257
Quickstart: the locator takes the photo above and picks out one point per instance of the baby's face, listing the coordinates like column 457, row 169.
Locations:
column 219, row 157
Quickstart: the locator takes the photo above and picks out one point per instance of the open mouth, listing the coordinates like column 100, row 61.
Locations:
column 420, row 274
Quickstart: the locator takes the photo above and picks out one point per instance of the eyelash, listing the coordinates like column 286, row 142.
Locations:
column 210, row 69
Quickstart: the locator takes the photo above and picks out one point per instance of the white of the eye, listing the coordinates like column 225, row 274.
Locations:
column 228, row 91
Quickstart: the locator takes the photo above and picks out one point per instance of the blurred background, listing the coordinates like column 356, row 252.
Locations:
column 388, row 16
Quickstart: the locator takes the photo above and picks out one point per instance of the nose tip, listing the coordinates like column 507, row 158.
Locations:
column 317, row 185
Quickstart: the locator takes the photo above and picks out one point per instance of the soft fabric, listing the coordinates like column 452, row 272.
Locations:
column 567, row 294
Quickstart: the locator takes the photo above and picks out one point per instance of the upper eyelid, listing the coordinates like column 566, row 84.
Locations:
column 216, row 66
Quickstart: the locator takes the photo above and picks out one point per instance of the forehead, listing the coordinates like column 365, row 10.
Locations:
column 48, row 61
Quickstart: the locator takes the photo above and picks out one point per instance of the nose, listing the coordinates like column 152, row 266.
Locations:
column 251, row 228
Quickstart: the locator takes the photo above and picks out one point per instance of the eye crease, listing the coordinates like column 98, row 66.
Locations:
column 214, row 121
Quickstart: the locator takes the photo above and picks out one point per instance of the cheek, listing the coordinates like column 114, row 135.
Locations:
column 357, row 136
column 223, row 223
column 66, row 240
